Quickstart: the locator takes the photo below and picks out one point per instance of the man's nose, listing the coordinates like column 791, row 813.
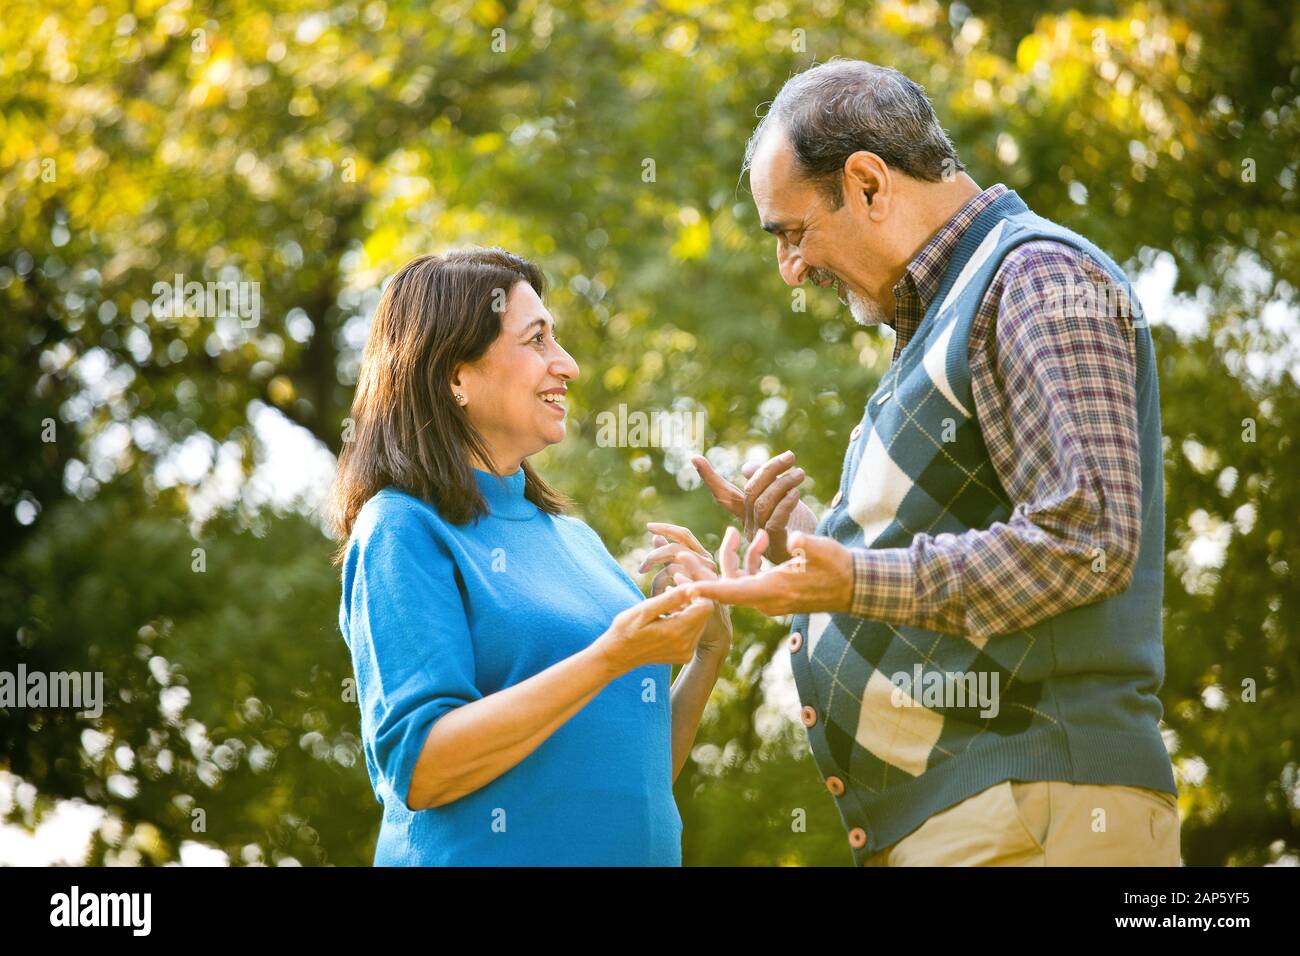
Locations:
column 791, row 265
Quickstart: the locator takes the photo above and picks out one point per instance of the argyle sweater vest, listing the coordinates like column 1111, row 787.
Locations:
column 905, row 722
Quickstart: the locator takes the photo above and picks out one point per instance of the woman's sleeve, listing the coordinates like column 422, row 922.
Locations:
column 410, row 640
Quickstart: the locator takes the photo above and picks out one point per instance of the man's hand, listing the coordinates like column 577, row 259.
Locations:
column 769, row 501
column 818, row 576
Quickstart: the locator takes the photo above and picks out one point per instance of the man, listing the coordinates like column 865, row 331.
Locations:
column 976, row 637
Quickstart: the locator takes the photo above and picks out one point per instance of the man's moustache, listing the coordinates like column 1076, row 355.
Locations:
column 837, row 284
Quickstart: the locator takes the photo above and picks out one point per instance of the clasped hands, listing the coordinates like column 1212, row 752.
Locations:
column 814, row 573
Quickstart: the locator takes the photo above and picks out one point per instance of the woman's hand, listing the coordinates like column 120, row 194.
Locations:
column 663, row 629
column 686, row 563
column 670, row 542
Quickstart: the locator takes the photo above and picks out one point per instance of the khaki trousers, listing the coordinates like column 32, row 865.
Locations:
column 1045, row 823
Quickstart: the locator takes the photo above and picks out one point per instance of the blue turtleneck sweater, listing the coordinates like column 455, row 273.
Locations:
column 438, row 615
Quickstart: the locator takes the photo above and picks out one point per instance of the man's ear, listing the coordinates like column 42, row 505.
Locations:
column 869, row 182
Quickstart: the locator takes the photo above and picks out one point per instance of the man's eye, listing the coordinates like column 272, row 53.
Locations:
column 538, row 337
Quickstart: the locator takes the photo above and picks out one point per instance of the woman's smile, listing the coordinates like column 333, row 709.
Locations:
column 554, row 399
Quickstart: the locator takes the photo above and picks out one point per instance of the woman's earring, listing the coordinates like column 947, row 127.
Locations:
column 460, row 398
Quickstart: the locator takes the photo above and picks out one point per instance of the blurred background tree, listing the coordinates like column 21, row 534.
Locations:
column 160, row 474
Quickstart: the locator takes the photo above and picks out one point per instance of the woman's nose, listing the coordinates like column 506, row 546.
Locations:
column 565, row 366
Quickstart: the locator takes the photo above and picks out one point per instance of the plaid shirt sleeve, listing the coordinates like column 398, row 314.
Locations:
column 1053, row 377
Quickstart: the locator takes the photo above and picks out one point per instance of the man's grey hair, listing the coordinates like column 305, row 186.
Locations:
column 833, row 110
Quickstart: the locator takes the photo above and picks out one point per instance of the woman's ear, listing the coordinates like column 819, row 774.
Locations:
column 458, row 390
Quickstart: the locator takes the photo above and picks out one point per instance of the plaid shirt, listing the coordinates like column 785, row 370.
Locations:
column 1055, row 401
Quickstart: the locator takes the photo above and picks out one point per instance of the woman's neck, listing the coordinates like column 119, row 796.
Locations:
column 505, row 467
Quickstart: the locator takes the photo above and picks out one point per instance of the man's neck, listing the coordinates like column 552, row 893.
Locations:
column 939, row 203
column 943, row 201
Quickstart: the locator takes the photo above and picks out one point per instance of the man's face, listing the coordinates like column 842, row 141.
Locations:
column 813, row 241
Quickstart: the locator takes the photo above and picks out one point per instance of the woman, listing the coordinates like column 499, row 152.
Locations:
column 512, row 679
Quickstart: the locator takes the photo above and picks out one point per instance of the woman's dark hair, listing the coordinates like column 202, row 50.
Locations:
column 407, row 430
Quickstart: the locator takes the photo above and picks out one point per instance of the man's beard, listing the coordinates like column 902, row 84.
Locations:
column 864, row 311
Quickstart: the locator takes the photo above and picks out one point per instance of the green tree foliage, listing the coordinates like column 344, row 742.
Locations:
column 314, row 149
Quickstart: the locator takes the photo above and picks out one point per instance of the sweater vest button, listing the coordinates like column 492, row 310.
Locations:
column 857, row 838
column 796, row 642
column 835, row 502
column 857, row 430
column 835, row 785
column 808, row 716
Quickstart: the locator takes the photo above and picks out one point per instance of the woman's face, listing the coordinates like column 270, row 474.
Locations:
column 515, row 392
